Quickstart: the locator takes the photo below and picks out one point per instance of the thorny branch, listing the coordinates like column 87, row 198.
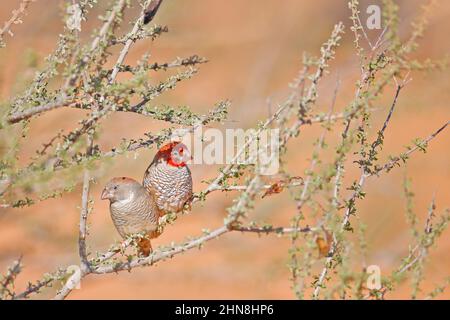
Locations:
column 365, row 173
column 7, row 281
column 85, row 211
column 15, row 19
column 82, row 91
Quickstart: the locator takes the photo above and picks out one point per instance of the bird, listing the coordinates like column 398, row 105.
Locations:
column 133, row 210
column 168, row 178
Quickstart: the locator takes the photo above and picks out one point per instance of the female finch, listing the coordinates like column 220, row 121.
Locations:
column 133, row 210
column 168, row 178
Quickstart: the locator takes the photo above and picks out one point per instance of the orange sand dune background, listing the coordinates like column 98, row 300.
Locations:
column 254, row 48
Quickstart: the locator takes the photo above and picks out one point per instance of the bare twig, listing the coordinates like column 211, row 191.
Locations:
column 63, row 100
column 83, row 220
column 28, row 113
column 117, row 9
column 33, row 288
column 347, row 214
column 365, row 173
column 8, row 280
column 419, row 146
column 270, row 229
column 153, row 6
column 98, row 268
column 266, row 186
column 15, row 18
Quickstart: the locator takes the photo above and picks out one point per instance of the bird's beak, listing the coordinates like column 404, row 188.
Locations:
column 106, row 194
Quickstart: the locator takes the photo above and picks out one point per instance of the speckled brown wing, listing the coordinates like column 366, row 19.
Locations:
column 137, row 214
column 170, row 186
column 133, row 210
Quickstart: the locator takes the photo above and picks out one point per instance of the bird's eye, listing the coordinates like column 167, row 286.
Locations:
column 115, row 187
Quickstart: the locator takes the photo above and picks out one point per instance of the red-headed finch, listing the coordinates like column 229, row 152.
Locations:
column 133, row 210
column 169, row 179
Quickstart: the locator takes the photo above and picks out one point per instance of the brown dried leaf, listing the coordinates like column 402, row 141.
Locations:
column 278, row 187
column 275, row 188
column 324, row 245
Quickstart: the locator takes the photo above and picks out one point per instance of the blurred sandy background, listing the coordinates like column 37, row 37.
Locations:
column 254, row 48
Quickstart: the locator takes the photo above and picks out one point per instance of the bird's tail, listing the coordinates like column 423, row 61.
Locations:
column 145, row 247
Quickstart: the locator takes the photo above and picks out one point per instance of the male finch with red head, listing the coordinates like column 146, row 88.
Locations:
column 168, row 178
column 133, row 210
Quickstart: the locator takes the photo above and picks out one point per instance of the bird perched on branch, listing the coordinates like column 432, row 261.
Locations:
column 133, row 210
column 168, row 178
